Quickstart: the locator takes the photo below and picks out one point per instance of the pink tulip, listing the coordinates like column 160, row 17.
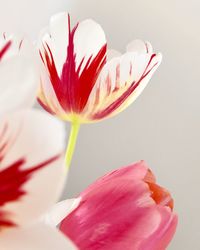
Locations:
column 123, row 210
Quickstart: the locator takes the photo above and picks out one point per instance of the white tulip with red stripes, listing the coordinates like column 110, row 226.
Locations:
column 32, row 172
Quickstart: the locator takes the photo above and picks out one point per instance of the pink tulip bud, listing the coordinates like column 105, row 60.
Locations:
column 123, row 210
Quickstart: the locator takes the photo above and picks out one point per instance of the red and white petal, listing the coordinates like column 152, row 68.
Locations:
column 47, row 96
column 121, row 81
column 55, row 41
column 72, row 62
column 89, row 39
column 55, row 37
column 18, row 46
column 14, row 45
column 60, row 210
column 35, row 237
column 32, row 165
column 139, row 46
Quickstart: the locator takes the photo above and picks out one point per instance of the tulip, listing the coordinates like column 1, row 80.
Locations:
column 32, row 176
column 125, row 209
column 32, row 171
column 82, row 81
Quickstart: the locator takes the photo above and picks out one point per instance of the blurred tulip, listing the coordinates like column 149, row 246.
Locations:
column 32, row 176
column 126, row 210
column 81, row 81
column 32, row 172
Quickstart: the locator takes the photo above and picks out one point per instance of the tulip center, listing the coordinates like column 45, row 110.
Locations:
column 160, row 195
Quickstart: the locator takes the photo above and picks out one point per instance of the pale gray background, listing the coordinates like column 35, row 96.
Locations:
column 162, row 126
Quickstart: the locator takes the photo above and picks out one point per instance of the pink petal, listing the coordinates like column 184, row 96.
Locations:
column 118, row 212
column 161, row 238
column 136, row 171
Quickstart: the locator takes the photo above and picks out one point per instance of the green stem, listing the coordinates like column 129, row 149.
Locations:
column 75, row 126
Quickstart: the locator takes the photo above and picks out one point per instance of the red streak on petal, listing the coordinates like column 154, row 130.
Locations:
column 117, row 86
column 74, row 85
column 97, row 96
column 88, row 79
column 50, row 64
column 20, row 44
column 5, row 49
column 5, row 128
column 77, row 83
column 45, row 107
column 4, row 222
column 147, row 49
column 3, row 148
column 69, row 76
column 4, row 144
column 108, row 80
column 117, row 103
column 12, row 179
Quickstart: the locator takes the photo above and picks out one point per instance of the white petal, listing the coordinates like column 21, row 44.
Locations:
column 149, row 47
column 19, row 78
column 47, row 95
column 60, row 210
column 85, row 46
column 36, row 137
column 19, row 46
column 36, row 237
column 111, row 53
column 116, row 78
column 89, row 38
column 57, row 39
column 139, row 46
column 87, row 41
column 14, row 47
column 17, row 89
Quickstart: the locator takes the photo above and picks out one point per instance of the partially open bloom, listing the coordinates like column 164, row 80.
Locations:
column 82, row 82
column 32, row 175
column 18, row 75
column 126, row 210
